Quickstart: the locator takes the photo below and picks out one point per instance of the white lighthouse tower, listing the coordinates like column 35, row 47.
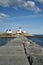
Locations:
column 20, row 30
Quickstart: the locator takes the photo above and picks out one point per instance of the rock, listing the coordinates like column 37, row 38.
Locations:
column 37, row 60
column 34, row 53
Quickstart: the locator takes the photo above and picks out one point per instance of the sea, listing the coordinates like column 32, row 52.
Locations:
column 38, row 39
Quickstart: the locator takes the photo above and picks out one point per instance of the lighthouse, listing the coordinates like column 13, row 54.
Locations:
column 20, row 30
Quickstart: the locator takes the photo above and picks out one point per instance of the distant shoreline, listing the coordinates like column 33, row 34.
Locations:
column 15, row 35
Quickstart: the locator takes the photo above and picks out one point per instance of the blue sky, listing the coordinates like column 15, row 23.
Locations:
column 25, row 13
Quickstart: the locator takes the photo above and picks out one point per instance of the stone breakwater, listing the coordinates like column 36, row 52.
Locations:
column 34, row 53
column 21, row 51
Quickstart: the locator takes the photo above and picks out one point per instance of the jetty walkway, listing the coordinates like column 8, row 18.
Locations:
column 21, row 51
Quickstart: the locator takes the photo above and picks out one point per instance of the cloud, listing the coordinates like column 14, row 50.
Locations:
column 4, row 3
column 41, row 1
column 2, row 15
column 31, row 5
column 27, row 4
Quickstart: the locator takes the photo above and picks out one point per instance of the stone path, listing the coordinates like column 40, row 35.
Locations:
column 13, row 53
column 21, row 51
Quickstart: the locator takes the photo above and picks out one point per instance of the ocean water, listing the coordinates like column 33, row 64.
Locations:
column 38, row 40
column 4, row 41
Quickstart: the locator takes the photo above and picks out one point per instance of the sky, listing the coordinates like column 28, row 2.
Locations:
column 27, row 14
